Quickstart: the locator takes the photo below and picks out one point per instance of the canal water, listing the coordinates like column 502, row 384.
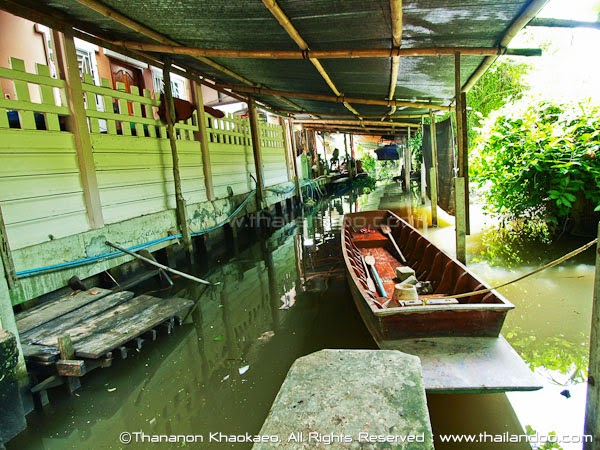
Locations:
column 285, row 296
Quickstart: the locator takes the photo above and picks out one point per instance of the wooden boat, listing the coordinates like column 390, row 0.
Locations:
column 435, row 315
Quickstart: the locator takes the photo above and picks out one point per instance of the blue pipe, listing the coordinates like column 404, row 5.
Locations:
column 110, row 255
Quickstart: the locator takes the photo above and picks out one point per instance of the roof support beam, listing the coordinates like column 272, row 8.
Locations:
column 327, row 54
column 562, row 23
column 336, row 99
column 148, row 32
column 348, row 116
column 528, row 14
column 357, row 130
column 287, row 25
column 362, row 123
column 396, row 13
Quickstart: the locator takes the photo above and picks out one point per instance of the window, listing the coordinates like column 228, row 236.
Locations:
column 177, row 84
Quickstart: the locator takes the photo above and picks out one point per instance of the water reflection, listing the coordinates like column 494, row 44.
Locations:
column 279, row 299
column 549, row 327
column 283, row 297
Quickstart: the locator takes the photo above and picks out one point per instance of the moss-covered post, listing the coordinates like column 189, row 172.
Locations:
column 433, row 173
column 7, row 320
column 68, row 66
column 295, row 161
column 460, row 221
column 407, row 164
column 203, row 138
column 592, row 415
column 13, row 373
column 255, row 131
column 182, row 218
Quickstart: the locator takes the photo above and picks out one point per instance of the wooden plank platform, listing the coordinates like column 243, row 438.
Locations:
column 469, row 365
column 34, row 317
column 350, row 399
column 144, row 313
column 47, row 333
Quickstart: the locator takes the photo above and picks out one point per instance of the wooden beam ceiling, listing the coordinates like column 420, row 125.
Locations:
column 287, row 25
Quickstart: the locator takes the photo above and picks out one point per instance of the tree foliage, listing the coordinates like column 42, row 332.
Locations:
column 502, row 83
column 539, row 162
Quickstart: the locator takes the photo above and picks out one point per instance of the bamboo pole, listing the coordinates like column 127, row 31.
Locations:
column 182, row 217
column 374, row 123
column 332, row 98
column 159, row 265
column 433, row 173
column 68, row 67
column 460, row 220
column 255, row 131
column 320, row 115
column 562, row 23
column 148, row 32
column 307, row 53
column 203, row 138
column 592, row 406
column 356, row 130
column 287, row 25
column 396, row 17
column 532, row 10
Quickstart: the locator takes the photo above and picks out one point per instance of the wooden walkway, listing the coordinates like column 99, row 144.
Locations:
column 65, row 338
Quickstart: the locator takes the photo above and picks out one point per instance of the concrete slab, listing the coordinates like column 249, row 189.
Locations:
column 365, row 399
column 469, row 365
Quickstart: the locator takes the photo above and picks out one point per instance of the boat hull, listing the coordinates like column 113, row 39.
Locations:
column 461, row 320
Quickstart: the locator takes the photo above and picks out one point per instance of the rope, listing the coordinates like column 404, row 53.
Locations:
column 556, row 262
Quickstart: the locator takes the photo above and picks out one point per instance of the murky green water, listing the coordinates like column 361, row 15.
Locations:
column 285, row 297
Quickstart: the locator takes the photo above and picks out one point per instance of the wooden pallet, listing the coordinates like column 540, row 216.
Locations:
column 70, row 336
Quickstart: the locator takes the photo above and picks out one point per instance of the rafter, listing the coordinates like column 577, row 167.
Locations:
column 332, row 98
column 150, row 33
column 287, row 25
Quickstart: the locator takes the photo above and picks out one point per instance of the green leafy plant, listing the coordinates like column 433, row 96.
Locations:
column 538, row 163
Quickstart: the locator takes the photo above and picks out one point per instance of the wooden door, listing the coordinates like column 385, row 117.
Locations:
column 128, row 75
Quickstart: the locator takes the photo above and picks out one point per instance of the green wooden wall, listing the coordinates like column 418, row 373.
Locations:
column 41, row 192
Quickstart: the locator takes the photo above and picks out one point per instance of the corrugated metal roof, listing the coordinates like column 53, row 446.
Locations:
column 324, row 25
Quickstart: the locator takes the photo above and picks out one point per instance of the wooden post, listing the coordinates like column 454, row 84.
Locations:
column 286, row 146
column 407, row 163
column 67, row 353
column 68, row 66
column 423, row 170
column 346, row 152
column 203, row 138
column 179, row 200
column 461, row 134
column 434, row 168
column 592, row 406
column 460, row 221
column 255, row 131
column 9, row 267
column 465, row 175
column 352, row 155
column 295, row 161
